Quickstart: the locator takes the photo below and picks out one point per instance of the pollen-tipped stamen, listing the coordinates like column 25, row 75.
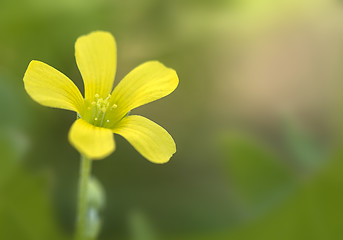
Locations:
column 99, row 108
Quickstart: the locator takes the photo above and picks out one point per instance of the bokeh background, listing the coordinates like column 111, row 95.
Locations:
column 256, row 118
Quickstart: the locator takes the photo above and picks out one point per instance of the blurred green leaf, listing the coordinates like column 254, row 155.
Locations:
column 25, row 209
column 12, row 147
column 13, row 108
column 304, row 150
column 140, row 227
column 257, row 174
column 313, row 212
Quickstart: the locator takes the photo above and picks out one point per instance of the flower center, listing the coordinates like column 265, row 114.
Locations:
column 97, row 110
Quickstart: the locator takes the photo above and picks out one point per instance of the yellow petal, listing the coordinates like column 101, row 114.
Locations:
column 148, row 138
column 96, row 57
column 94, row 142
column 146, row 83
column 51, row 88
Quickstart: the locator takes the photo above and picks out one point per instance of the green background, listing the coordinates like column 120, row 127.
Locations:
column 256, row 119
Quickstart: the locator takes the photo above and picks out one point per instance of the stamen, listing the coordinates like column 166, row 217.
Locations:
column 98, row 108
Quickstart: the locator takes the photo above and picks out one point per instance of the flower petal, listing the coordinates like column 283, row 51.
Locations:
column 96, row 57
column 51, row 88
column 146, row 83
column 94, row 142
column 148, row 138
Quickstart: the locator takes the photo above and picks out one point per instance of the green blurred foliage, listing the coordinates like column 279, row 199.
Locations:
column 311, row 212
column 258, row 176
column 140, row 227
column 25, row 208
column 307, row 153
column 271, row 180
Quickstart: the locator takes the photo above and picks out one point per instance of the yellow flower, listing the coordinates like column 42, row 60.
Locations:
column 103, row 112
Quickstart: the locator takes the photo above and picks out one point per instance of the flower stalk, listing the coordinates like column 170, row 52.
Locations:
column 82, row 205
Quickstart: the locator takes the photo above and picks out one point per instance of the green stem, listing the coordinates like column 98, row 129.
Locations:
column 85, row 170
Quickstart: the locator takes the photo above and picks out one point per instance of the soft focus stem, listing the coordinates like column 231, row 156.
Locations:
column 85, row 169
